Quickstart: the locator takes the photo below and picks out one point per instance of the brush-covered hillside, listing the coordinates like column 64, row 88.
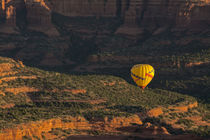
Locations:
column 78, row 81
column 38, row 104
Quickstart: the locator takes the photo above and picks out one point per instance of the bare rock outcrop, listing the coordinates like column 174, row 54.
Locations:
column 85, row 8
column 39, row 16
column 43, row 127
column 156, row 15
column 153, row 15
column 8, row 12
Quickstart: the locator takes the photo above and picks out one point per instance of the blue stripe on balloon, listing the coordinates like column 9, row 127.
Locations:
column 137, row 76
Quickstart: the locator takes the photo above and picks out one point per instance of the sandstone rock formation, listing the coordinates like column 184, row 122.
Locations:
column 37, row 15
column 8, row 12
column 159, row 14
column 148, row 14
column 79, row 123
column 85, row 8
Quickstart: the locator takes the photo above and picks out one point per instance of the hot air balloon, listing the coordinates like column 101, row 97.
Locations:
column 142, row 74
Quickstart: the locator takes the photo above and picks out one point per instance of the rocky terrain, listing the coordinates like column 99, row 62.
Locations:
column 34, row 105
column 60, row 23
column 65, row 69
column 151, row 15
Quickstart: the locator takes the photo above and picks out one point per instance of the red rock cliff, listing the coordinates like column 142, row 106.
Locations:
column 85, row 7
column 149, row 14
column 180, row 13
column 38, row 14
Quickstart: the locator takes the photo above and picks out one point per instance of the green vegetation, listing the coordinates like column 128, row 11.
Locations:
column 203, row 131
column 176, row 82
column 26, row 138
column 186, row 122
column 121, row 99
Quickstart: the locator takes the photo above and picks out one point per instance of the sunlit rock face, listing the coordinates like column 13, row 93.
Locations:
column 36, row 13
column 8, row 11
column 148, row 14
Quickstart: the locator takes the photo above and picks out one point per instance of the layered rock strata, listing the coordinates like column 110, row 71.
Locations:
column 141, row 11
column 37, row 14
column 149, row 14
column 74, row 8
column 8, row 13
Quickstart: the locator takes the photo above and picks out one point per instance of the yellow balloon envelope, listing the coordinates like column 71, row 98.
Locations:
column 142, row 74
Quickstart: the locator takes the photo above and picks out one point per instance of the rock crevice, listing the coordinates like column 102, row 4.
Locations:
column 149, row 14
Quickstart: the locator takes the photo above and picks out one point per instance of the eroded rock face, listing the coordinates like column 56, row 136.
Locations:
column 78, row 123
column 153, row 14
column 10, row 10
column 10, row 13
column 37, row 14
column 85, row 7
column 149, row 14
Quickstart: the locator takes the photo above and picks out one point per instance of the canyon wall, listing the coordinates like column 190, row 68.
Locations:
column 145, row 13
column 36, row 13
column 151, row 14
column 182, row 12
column 39, row 16
column 8, row 10
column 75, row 8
